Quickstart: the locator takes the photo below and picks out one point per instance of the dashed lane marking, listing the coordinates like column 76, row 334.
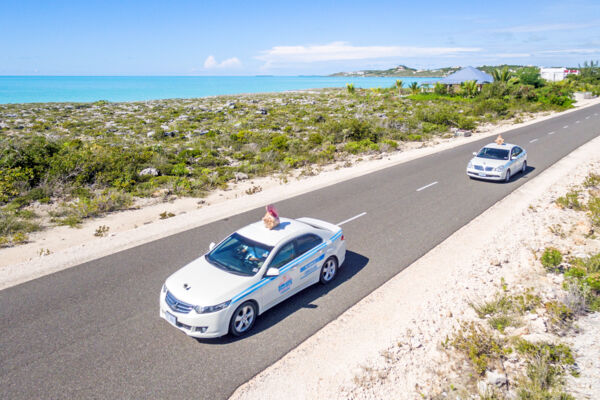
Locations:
column 533, row 140
column 565, row 127
column 551, row 133
column 351, row 219
column 426, row 186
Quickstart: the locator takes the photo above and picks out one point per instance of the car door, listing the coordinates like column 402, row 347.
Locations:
column 520, row 156
column 514, row 161
column 280, row 287
column 310, row 259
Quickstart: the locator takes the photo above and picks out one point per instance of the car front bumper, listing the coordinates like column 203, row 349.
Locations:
column 203, row 326
column 491, row 175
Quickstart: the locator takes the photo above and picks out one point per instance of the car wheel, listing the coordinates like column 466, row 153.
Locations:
column 329, row 270
column 243, row 319
column 507, row 177
column 524, row 167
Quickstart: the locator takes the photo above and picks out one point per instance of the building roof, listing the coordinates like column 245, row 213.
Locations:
column 467, row 74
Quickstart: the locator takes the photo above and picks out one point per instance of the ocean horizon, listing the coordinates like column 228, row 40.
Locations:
column 46, row 89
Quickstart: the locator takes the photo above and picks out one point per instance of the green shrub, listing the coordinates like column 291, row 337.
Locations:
column 551, row 258
column 315, row 139
column 592, row 180
column 593, row 207
column 479, row 345
column 496, row 106
column 570, row 200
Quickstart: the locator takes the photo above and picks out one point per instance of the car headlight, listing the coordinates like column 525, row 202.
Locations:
column 499, row 169
column 470, row 164
column 211, row 309
column 164, row 288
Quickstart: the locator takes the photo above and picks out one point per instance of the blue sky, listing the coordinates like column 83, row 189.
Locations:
column 209, row 37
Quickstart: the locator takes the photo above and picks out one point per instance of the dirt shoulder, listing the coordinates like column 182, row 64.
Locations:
column 62, row 247
column 391, row 344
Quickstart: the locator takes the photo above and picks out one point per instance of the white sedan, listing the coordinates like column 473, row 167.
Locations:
column 497, row 162
column 250, row 271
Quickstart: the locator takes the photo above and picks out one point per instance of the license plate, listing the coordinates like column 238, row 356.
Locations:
column 171, row 318
column 481, row 174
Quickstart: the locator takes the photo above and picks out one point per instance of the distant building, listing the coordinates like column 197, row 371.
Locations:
column 467, row 74
column 557, row 74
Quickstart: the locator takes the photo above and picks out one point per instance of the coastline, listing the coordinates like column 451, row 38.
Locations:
column 68, row 89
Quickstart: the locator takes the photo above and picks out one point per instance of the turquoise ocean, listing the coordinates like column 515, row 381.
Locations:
column 42, row 89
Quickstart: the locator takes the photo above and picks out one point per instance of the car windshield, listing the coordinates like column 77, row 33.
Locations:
column 239, row 255
column 494, row 154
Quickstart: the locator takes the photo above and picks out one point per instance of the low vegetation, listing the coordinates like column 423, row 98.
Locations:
column 86, row 159
column 538, row 367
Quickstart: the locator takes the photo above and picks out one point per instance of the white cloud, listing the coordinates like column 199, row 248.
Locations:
column 544, row 28
column 512, row 55
column 571, row 51
column 342, row 51
column 211, row 63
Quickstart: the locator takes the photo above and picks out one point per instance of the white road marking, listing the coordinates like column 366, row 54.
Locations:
column 577, row 121
column 588, row 117
column 426, row 186
column 351, row 219
column 533, row 140
column 551, row 133
column 565, row 127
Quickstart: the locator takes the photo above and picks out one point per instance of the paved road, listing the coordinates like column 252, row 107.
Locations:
column 93, row 331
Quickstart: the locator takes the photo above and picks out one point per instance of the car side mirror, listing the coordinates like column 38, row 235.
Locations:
column 272, row 272
column 211, row 246
column 474, row 153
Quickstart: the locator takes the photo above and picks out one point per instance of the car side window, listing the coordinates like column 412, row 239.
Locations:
column 306, row 243
column 283, row 256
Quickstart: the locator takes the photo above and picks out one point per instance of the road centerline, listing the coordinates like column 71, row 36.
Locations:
column 533, row 140
column 426, row 186
column 351, row 219
column 565, row 127
column 551, row 133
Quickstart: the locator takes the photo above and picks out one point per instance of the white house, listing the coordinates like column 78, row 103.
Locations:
column 557, row 74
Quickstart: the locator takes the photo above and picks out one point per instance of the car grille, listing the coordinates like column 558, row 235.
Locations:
column 481, row 168
column 177, row 305
column 478, row 167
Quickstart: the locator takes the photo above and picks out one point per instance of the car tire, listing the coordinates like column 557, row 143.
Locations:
column 243, row 319
column 328, row 270
column 524, row 167
column 507, row 177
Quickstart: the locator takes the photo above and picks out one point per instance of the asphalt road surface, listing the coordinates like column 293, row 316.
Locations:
column 93, row 331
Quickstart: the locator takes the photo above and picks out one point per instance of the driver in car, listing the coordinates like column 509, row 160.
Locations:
column 250, row 255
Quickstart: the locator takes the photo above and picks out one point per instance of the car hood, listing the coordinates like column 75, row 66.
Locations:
column 201, row 283
column 488, row 162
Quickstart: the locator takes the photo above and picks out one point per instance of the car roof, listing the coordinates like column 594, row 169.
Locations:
column 504, row 146
column 260, row 233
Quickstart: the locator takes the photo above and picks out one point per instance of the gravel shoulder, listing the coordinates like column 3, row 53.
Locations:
column 389, row 344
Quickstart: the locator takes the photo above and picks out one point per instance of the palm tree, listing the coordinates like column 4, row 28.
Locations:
column 350, row 87
column 414, row 87
column 469, row 87
column 399, row 85
column 502, row 75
